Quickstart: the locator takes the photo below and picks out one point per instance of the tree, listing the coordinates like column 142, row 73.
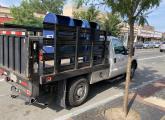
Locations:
column 133, row 11
column 44, row 6
column 112, row 24
column 91, row 14
column 24, row 14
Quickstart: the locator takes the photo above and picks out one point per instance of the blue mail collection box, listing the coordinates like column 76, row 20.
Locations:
column 52, row 18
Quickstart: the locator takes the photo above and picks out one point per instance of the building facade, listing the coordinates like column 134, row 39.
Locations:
column 142, row 33
column 5, row 15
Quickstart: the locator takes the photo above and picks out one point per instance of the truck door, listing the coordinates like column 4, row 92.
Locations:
column 118, row 59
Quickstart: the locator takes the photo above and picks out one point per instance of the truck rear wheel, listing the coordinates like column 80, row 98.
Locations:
column 77, row 92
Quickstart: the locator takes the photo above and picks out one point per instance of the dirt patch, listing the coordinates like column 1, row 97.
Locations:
column 118, row 114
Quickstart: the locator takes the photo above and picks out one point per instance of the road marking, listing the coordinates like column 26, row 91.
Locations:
column 3, row 95
column 145, row 51
column 2, row 80
column 141, row 59
column 86, row 108
column 156, row 101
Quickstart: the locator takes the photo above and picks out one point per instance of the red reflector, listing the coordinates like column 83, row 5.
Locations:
column 49, row 79
column 23, row 83
column 1, row 72
column 8, row 32
column 18, row 33
column 40, row 56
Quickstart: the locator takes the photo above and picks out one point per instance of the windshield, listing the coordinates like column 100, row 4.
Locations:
column 118, row 46
column 146, row 42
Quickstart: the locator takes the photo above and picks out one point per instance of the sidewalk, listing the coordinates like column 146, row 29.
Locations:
column 148, row 101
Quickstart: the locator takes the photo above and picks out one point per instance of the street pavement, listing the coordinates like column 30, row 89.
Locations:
column 150, row 69
column 146, row 101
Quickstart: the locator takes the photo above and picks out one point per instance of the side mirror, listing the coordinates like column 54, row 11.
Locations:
column 127, row 51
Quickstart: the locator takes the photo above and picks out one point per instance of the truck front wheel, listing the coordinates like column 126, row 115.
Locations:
column 133, row 68
column 77, row 92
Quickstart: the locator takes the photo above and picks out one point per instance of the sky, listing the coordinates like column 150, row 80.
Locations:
column 156, row 18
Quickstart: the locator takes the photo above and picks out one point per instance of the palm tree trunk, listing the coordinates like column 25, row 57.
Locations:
column 128, row 76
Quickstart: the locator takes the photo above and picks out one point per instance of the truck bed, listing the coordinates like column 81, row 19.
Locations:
column 73, row 51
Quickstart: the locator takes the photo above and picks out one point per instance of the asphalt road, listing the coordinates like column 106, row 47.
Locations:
column 150, row 67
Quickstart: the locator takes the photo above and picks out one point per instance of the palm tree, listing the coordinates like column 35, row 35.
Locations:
column 91, row 14
column 112, row 24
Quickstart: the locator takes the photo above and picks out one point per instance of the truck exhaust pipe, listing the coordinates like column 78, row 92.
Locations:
column 35, row 102
column 32, row 101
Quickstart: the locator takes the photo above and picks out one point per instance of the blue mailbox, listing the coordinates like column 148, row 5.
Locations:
column 52, row 19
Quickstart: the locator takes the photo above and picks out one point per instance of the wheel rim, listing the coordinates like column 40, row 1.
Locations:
column 80, row 92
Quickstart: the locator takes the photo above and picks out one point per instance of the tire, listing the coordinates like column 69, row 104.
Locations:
column 161, row 50
column 133, row 69
column 77, row 92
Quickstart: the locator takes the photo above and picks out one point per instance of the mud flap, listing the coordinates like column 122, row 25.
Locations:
column 61, row 93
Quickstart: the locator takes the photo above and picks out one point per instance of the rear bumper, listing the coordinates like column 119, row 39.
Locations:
column 145, row 46
column 157, row 46
column 21, row 87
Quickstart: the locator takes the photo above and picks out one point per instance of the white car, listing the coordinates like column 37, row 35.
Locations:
column 162, row 47
column 157, row 44
column 148, row 45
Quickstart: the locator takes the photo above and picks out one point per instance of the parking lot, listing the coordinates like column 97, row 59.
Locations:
column 150, row 68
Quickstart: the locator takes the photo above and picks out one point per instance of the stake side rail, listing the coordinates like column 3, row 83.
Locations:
column 72, row 51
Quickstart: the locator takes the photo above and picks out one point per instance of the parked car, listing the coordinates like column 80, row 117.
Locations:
column 162, row 47
column 139, row 45
column 148, row 45
column 156, row 44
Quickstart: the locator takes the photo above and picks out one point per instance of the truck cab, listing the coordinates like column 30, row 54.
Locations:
column 118, row 58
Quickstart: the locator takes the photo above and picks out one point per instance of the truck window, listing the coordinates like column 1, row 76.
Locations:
column 118, row 46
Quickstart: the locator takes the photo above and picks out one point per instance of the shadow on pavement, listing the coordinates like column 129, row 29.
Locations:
column 131, row 101
column 143, row 75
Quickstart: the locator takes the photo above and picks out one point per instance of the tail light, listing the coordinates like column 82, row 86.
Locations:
column 23, row 83
column 1, row 72
column 48, row 79
column 40, row 55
